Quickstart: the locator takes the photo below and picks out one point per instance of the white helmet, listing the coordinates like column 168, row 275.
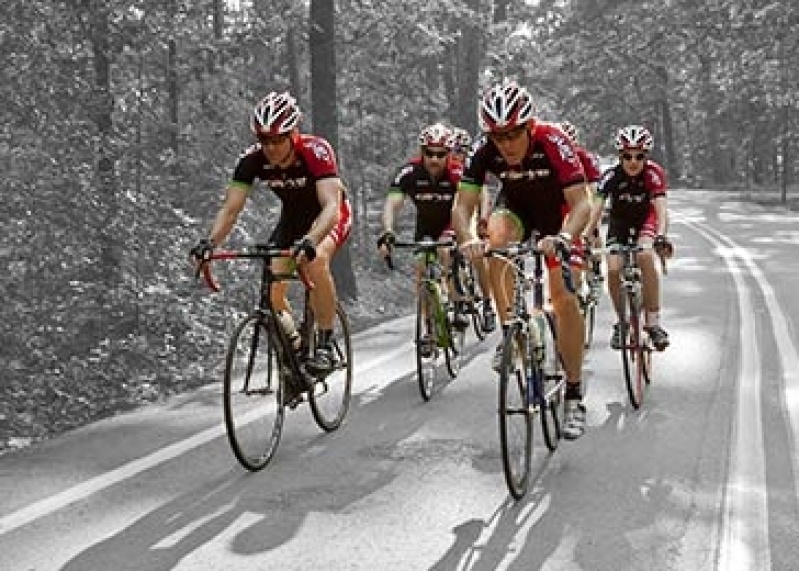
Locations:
column 460, row 140
column 633, row 137
column 276, row 114
column 435, row 135
column 570, row 130
column 505, row 105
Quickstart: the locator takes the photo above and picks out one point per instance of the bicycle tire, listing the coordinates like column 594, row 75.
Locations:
column 453, row 352
column 330, row 398
column 551, row 388
column 631, row 350
column 466, row 288
column 425, row 363
column 254, row 398
column 515, row 424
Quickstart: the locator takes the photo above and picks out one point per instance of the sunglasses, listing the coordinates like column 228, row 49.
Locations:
column 506, row 136
column 636, row 156
column 435, row 154
column 273, row 139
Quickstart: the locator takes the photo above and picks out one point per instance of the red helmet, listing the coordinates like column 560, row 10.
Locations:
column 435, row 135
column 633, row 137
column 505, row 105
column 276, row 114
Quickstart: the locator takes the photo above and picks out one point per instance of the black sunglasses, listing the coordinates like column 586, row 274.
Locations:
column 637, row 156
column 273, row 139
column 435, row 154
column 511, row 135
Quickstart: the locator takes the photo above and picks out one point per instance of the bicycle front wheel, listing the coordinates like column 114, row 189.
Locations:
column 453, row 352
column 632, row 352
column 551, row 387
column 515, row 425
column 330, row 399
column 253, row 394
column 426, row 343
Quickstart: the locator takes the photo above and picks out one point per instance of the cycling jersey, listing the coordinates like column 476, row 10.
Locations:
column 533, row 190
column 632, row 200
column 593, row 172
column 295, row 186
column 432, row 197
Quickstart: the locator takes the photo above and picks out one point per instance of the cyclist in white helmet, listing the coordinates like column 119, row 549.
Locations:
column 637, row 189
column 540, row 178
column 315, row 219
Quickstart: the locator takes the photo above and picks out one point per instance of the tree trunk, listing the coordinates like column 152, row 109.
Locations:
column 470, row 45
column 323, row 102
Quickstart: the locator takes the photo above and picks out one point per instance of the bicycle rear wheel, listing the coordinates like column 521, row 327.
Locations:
column 425, row 339
column 515, row 425
column 253, row 393
column 330, row 398
column 632, row 353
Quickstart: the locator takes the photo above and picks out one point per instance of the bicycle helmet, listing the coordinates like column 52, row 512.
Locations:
column 276, row 114
column 503, row 106
column 460, row 140
column 633, row 137
column 435, row 135
column 570, row 130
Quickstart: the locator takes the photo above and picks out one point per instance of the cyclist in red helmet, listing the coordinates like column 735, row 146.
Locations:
column 315, row 219
column 540, row 175
column 637, row 188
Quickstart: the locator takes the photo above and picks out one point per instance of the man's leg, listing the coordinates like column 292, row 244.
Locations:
column 651, row 293
column 323, row 302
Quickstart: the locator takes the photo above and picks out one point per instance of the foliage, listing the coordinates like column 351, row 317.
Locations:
column 107, row 183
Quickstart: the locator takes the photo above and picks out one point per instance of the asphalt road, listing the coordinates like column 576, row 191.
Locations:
column 704, row 476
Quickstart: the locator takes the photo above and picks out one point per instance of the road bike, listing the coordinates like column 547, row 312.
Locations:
column 435, row 312
column 264, row 366
column 636, row 347
column 465, row 282
column 531, row 378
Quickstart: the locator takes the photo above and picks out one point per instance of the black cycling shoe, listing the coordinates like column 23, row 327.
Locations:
column 322, row 362
column 659, row 337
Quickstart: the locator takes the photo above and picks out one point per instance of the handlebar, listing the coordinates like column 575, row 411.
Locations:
column 265, row 252
column 563, row 253
column 424, row 245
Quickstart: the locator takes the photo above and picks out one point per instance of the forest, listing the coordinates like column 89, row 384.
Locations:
column 121, row 122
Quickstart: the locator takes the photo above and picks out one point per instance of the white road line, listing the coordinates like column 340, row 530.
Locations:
column 85, row 489
column 744, row 534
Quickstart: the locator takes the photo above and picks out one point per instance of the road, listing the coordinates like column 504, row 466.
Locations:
column 704, row 476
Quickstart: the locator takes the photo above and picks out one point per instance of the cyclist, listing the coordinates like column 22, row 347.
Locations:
column 460, row 145
column 539, row 174
column 315, row 218
column 430, row 181
column 593, row 173
column 636, row 187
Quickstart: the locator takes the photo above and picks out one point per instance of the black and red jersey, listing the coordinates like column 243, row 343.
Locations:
column 295, row 185
column 631, row 197
column 433, row 197
column 533, row 190
column 593, row 172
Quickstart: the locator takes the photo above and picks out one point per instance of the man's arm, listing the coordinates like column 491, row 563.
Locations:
column 579, row 209
column 393, row 205
column 235, row 199
column 329, row 192
column 467, row 199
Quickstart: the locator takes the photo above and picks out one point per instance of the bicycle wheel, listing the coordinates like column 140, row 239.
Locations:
column 515, row 425
column 631, row 353
column 453, row 352
column 426, row 346
column 466, row 288
column 551, row 386
column 330, row 398
column 253, row 393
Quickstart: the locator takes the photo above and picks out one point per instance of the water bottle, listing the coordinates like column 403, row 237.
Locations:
column 287, row 323
column 538, row 338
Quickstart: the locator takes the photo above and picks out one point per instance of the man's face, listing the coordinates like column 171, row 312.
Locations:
column 277, row 149
column 633, row 161
column 435, row 158
column 512, row 143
